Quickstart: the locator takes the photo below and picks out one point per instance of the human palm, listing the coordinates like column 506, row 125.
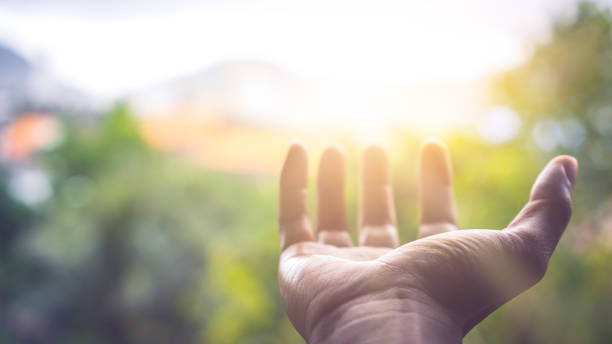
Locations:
column 434, row 289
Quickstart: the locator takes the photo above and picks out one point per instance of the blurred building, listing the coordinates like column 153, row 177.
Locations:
column 27, row 87
column 30, row 100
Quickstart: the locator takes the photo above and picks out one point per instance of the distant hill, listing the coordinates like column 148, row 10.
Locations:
column 14, row 70
column 245, row 91
column 259, row 93
column 24, row 87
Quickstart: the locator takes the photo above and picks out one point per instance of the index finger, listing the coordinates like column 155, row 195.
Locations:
column 438, row 213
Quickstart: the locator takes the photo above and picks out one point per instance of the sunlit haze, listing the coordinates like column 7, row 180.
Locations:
column 354, row 59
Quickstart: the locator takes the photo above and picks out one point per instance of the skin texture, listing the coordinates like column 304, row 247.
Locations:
column 432, row 290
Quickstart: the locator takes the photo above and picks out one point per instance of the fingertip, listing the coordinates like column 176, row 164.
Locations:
column 295, row 168
column 331, row 167
column 432, row 141
column 334, row 150
column 375, row 165
column 333, row 155
column 433, row 146
column 375, row 153
column 570, row 166
column 434, row 159
column 297, row 151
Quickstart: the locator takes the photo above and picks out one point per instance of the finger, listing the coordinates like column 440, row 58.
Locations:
column 331, row 218
column 436, row 190
column 294, row 223
column 542, row 221
column 377, row 215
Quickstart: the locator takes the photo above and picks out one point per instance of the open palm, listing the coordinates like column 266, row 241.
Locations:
column 434, row 289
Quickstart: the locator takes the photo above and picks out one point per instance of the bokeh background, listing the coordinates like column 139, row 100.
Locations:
column 140, row 145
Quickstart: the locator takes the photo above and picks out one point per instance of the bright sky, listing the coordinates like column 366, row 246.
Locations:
column 111, row 47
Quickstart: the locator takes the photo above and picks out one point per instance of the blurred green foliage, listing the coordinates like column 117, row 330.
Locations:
column 138, row 246
column 564, row 96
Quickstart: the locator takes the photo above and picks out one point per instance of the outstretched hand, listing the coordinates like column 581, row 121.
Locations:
column 431, row 290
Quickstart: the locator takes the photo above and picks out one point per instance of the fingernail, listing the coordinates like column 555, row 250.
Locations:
column 570, row 165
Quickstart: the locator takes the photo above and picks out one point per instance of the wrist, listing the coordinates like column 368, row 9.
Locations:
column 386, row 320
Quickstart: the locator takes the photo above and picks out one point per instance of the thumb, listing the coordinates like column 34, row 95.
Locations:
column 545, row 216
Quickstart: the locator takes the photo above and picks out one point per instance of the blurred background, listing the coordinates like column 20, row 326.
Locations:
column 140, row 145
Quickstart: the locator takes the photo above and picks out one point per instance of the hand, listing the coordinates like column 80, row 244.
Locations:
column 431, row 290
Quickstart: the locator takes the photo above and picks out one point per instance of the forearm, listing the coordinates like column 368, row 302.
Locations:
column 386, row 322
